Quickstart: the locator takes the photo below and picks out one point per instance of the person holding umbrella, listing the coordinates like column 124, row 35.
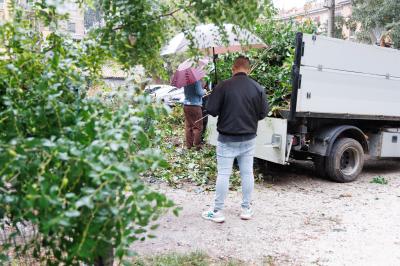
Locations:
column 208, row 39
column 190, row 78
column 193, row 113
column 239, row 103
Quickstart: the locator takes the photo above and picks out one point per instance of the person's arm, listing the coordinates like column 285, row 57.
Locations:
column 263, row 105
column 215, row 101
column 199, row 90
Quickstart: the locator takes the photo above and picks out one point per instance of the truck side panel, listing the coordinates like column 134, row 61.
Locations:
column 350, row 56
column 336, row 92
column 342, row 77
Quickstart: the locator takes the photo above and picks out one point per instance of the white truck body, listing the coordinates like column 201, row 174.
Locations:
column 343, row 77
column 340, row 89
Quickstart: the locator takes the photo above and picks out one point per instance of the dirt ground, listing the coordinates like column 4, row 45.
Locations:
column 299, row 220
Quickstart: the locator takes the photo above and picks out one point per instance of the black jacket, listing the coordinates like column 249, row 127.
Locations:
column 239, row 103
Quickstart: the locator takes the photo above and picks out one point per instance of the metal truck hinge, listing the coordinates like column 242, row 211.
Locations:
column 276, row 142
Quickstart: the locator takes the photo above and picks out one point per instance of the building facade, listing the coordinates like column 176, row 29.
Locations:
column 317, row 11
column 73, row 26
column 3, row 10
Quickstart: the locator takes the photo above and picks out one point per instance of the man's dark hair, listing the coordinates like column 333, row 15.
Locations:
column 241, row 62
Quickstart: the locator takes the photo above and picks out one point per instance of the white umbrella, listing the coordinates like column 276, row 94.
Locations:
column 209, row 39
column 201, row 62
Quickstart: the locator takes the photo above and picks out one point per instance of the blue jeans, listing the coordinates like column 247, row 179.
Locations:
column 226, row 153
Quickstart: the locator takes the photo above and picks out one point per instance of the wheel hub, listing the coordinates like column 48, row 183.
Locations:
column 349, row 161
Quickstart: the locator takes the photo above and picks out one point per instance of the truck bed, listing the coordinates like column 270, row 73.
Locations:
column 285, row 114
column 343, row 79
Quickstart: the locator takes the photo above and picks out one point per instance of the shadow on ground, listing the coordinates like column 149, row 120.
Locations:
column 304, row 170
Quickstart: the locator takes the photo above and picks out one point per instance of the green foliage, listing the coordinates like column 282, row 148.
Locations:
column 135, row 30
column 70, row 166
column 375, row 15
column 192, row 259
column 174, row 259
column 340, row 22
column 272, row 66
column 195, row 166
column 379, row 180
column 242, row 13
column 190, row 165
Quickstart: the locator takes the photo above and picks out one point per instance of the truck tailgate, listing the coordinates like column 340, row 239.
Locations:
column 271, row 141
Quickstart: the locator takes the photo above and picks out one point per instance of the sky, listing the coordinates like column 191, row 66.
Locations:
column 288, row 3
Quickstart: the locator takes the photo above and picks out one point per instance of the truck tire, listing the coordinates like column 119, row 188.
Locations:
column 346, row 160
column 320, row 167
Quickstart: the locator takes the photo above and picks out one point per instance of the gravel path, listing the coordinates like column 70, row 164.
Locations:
column 299, row 220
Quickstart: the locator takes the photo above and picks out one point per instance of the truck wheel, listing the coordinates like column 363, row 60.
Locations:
column 346, row 160
column 320, row 167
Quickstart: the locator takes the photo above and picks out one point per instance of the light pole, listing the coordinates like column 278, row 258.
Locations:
column 330, row 4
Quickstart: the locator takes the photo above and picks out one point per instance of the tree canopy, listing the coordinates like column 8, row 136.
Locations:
column 378, row 16
column 135, row 30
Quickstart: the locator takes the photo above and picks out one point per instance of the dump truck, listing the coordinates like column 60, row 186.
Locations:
column 344, row 108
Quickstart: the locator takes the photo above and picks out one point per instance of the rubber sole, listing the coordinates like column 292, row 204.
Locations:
column 215, row 220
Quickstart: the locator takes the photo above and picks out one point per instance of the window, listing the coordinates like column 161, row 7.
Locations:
column 1, row 4
column 71, row 27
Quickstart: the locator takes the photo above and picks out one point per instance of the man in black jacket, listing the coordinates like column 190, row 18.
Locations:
column 239, row 103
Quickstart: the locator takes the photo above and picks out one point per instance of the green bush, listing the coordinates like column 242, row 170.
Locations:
column 174, row 259
column 271, row 66
column 70, row 167
column 196, row 166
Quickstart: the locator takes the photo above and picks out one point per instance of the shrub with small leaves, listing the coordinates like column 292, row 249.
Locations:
column 71, row 167
column 196, row 166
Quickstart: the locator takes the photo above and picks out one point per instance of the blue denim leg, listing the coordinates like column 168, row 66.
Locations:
column 225, row 157
column 245, row 161
column 226, row 153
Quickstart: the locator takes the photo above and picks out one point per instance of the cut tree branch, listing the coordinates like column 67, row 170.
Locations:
column 170, row 13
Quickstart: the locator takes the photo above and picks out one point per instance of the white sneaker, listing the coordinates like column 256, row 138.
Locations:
column 246, row 214
column 217, row 217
